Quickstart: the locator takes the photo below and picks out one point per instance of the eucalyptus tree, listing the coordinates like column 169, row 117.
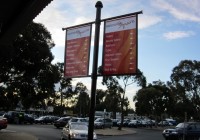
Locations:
column 82, row 100
column 185, row 79
column 100, row 99
column 64, row 88
column 153, row 100
column 27, row 71
column 113, row 94
column 129, row 80
column 118, row 86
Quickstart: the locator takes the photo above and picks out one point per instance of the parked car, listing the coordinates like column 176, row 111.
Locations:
column 14, row 117
column 125, row 122
column 61, row 122
column 115, row 121
column 28, row 118
column 172, row 121
column 45, row 120
column 103, row 123
column 165, row 123
column 3, row 123
column 54, row 118
column 78, row 120
column 76, row 131
column 2, row 113
column 189, row 130
column 133, row 123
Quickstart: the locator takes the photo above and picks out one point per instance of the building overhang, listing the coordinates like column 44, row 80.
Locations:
column 16, row 15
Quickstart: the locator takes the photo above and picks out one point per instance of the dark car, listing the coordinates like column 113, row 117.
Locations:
column 28, row 118
column 2, row 113
column 115, row 121
column 125, row 122
column 61, row 122
column 14, row 117
column 189, row 130
column 44, row 120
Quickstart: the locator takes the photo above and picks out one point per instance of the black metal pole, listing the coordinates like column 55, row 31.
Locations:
column 98, row 5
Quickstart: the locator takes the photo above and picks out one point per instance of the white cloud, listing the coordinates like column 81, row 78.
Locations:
column 62, row 13
column 180, row 9
column 177, row 34
column 56, row 60
column 146, row 21
column 130, row 93
column 54, row 20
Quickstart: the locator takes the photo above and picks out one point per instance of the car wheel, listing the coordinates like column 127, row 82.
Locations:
column 62, row 138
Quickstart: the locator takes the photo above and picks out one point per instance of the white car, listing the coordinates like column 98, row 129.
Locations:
column 133, row 123
column 76, row 131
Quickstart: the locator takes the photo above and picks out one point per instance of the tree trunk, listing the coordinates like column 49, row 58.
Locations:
column 122, row 113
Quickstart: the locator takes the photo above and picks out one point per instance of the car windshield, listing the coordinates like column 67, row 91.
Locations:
column 182, row 125
column 41, row 117
column 76, row 120
column 79, row 127
column 98, row 120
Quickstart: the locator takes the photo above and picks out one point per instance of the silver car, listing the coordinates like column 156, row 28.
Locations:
column 76, row 131
column 103, row 123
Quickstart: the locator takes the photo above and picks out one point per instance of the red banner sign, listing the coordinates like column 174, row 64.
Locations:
column 120, row 46
column 77, row 51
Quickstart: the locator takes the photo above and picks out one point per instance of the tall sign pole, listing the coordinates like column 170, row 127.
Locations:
column 98, row 5
column 120, row 51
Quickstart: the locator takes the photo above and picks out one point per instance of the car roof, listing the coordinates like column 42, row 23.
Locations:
column 78, row 123
column 191, row 122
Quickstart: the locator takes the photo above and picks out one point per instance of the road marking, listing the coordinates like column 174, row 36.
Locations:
column 7, row 131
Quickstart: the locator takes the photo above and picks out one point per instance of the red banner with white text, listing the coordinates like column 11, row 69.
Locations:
column 120, row 46
column 77, row 50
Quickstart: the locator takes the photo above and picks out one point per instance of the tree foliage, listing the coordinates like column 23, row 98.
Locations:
column 27, row 72
column 113, row 94
column 82, row 100
column 185, row 82
column 100, row 99
column 117, row 91
column 154, row 100
column 181, row 95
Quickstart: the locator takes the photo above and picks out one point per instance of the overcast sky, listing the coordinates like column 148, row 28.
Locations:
column 168, row 31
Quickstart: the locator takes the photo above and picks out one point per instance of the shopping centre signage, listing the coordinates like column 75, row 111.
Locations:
column 120, row 46
column 119, row 51
column 77, row 50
